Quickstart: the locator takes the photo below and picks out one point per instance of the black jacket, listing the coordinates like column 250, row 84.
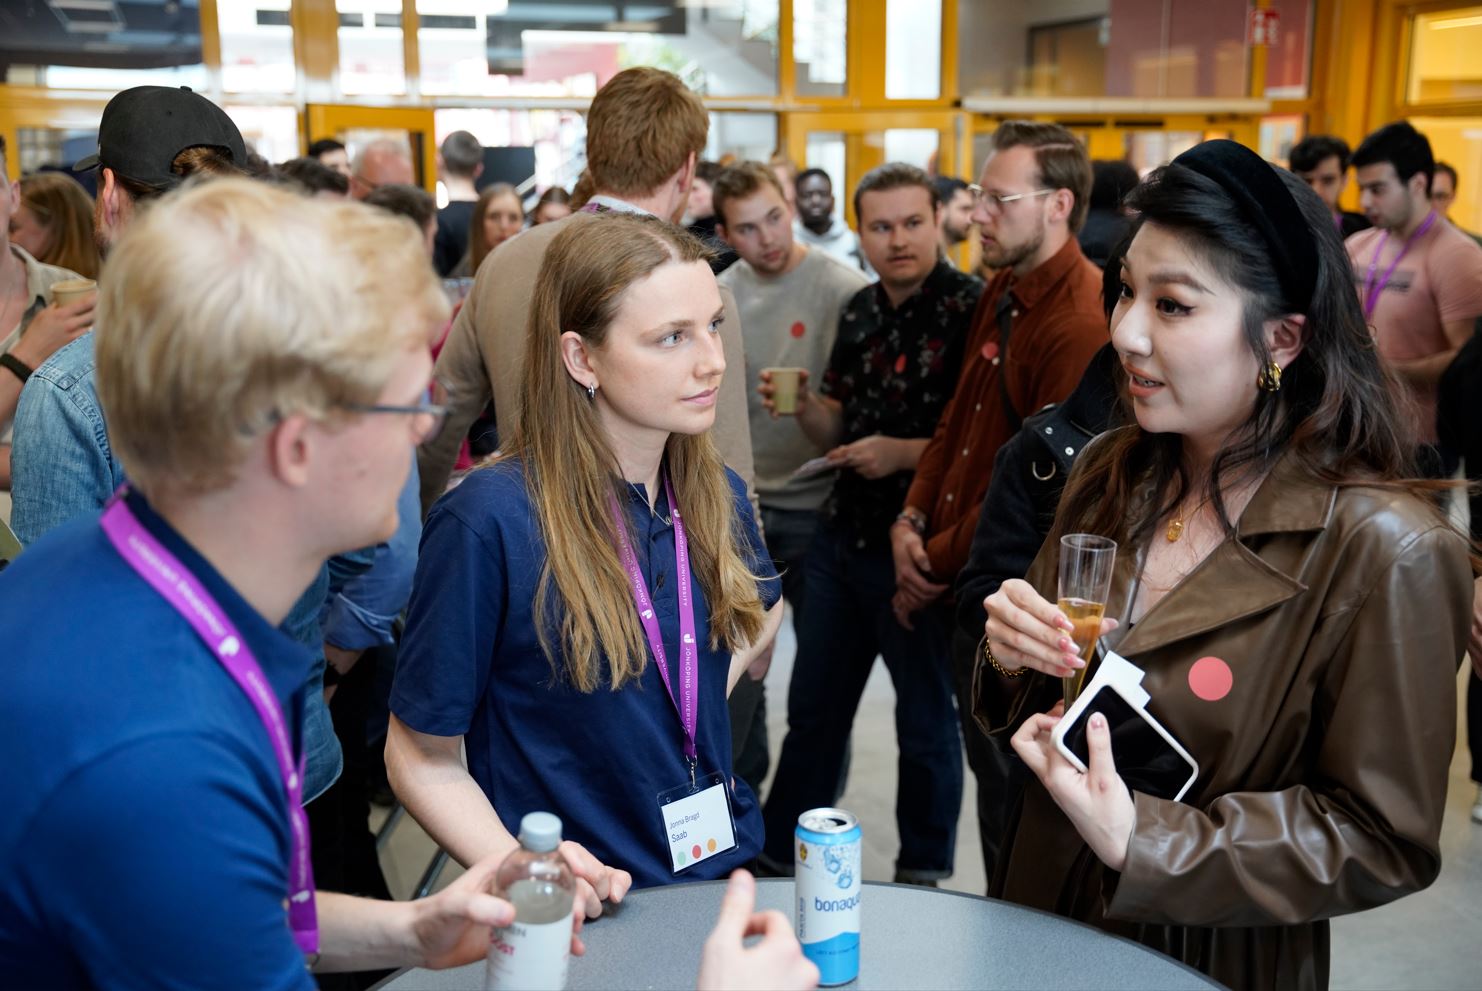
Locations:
column 1458, row 420
column 1028, row 476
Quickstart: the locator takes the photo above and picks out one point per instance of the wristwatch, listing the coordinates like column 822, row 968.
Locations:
column 20, row 369
column 917, row 521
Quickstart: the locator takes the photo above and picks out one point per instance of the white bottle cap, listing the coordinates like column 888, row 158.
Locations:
column 540, row 832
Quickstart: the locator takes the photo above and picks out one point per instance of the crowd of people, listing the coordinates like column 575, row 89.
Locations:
column 519, row 488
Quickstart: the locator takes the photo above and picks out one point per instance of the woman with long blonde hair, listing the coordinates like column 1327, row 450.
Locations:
column 584, row 605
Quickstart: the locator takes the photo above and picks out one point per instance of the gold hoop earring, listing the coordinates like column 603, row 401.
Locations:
column 1270, row 377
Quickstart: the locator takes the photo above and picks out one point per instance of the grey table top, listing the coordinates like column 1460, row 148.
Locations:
column 911, row 938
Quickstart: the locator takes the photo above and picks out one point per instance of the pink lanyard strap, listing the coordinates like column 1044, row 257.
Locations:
column 686, row 702
column 1372, row 288
column 167, row 576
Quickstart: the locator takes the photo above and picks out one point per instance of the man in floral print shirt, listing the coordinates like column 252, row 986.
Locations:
column 893, row 367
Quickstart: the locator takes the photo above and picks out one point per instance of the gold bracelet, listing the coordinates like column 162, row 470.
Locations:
column 988, row 656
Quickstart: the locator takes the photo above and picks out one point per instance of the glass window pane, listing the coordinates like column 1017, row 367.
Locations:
column 101, row 46
column 1084, row 48
column 558, row 137
column 1443, row 56
column 1278, row 133
column 820, row 46
column 913, row 49
column 746, row 136
column 475, row 48
column 57, row 147
column 1147, row 150
column 912, row 145
column 1287, row 62
column 272, row 131
column 256, row 46
column 370, row 41
column 1457, row 141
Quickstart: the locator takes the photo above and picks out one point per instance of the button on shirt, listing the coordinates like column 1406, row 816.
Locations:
column 146, row 837
column 471, row 665
column 893, row 369
column 1059, row 325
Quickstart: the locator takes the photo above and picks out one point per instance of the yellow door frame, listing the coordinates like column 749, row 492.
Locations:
column 323, row 120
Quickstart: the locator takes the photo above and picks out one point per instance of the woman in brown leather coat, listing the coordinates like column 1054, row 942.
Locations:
column 1300, row 608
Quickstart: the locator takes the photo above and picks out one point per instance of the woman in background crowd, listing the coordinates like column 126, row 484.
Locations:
column 497, row 217
column 553, row 204
column 54, row 222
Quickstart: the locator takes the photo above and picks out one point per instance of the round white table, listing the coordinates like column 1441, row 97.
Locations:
column 911, row 937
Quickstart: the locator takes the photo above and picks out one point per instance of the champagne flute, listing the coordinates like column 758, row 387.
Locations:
column 1085, row 583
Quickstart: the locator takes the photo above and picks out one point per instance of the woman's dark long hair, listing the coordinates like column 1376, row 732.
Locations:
column 1336, row 411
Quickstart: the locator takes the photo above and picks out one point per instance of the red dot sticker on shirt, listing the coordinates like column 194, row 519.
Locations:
column 900, row 365
column 990, row 350
column 1211, row 679
column 798, row 330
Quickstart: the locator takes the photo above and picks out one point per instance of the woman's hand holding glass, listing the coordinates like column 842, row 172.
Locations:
column 1026, row 630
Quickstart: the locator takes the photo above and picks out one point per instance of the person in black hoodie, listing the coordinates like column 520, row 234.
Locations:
column 1029, row 475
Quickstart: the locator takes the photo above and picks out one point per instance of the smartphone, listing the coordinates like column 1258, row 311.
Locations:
column 1148, row 758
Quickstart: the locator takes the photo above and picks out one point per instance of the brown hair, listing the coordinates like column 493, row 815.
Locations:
column 197, row 160
column 642, row 128
column 478, row 244
column 572, row 474
column 66, row 211
column 895, row 175
column 1062, row 160
column 412, row 202
column 738, row 182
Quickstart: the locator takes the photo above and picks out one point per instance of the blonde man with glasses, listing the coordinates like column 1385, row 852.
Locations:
column 1036, row 327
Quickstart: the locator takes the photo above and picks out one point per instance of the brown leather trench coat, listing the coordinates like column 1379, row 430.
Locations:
column 1343, row 615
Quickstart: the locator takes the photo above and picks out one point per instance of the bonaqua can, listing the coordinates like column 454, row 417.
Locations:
column 827, row 876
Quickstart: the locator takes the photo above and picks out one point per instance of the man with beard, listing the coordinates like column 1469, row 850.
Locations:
column 1034, row 332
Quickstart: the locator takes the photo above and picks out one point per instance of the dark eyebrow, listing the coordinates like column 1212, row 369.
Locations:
column 1170, row 277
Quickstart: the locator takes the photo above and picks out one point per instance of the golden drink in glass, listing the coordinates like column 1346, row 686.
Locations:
column 1087, row 619
column 1085, row 583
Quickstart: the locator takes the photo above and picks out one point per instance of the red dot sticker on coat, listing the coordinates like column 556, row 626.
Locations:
column 990, row 350
column 1211, row 679
column 900, row 365
column 798, row 330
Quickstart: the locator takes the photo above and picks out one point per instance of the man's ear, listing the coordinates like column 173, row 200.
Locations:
column 290, row 451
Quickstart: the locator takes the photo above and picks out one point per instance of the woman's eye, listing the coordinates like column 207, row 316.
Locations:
column 1172, row 307
column 1124, row 291
column 669, row 340
column 715, row 325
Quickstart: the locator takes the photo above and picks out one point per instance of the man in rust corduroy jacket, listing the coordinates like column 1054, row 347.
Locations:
column 1029, row 204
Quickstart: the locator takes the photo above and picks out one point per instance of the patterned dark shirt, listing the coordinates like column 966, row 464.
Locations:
column 894, row 370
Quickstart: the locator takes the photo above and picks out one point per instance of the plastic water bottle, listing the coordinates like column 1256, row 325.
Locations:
column 533, row 951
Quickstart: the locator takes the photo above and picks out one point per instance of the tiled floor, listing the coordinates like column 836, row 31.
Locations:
column 1432, row 940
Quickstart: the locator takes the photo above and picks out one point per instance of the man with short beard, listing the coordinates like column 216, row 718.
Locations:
column 1035, row 330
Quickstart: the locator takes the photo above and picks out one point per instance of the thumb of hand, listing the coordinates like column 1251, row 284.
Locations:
column 736, row 907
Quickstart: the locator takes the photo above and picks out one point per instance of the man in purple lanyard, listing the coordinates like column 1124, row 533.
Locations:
column 265, row 413
column 1419, row 278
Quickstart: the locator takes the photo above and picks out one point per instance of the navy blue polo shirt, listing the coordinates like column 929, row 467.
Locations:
column 146, row 836
column 471, row 665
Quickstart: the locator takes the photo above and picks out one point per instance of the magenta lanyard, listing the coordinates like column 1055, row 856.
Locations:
column 1373, row 289
column 687, row 701
column 167, row 576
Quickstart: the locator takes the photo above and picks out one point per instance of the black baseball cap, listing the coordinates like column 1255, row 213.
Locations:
column 144, row 128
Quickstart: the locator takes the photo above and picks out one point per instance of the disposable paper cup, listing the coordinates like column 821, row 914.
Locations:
column 785, row 382
column 69, row 291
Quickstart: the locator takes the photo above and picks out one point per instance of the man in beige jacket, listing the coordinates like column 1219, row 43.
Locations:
column 645, row 131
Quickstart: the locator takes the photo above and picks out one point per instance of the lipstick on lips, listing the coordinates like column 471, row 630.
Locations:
column 1139, row 385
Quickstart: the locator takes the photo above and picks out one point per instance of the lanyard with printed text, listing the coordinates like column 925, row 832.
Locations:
column 686, row 700
column 184, row 592
column 1373, row 288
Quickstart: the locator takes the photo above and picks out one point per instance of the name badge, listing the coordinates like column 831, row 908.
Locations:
column 697, row 821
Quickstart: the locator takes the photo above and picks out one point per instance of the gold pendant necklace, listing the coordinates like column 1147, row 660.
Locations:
column 1176, row 525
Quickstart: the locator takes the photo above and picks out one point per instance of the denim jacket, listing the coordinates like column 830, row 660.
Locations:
column 63, row 466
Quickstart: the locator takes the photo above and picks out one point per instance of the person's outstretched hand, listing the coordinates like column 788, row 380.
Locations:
column 776, row 961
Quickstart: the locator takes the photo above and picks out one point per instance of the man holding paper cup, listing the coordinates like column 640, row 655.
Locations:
column 789, row 297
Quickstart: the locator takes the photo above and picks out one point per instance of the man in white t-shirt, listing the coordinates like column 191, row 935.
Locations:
column 789, row 298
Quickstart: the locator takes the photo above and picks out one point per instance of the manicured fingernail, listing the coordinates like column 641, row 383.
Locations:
column 1098, row 721
column 1066, row 624
column 1074, row 661
column 1067, row 645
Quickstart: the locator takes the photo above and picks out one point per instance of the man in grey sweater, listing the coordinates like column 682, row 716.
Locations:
column 789, row 298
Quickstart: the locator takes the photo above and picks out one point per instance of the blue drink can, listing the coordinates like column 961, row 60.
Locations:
column 827, row 876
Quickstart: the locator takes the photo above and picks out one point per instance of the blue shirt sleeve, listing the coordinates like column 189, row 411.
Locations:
column 62, row 465
column 453, row 627
column 753, row 550
column 183, row 888
column 360, row 614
